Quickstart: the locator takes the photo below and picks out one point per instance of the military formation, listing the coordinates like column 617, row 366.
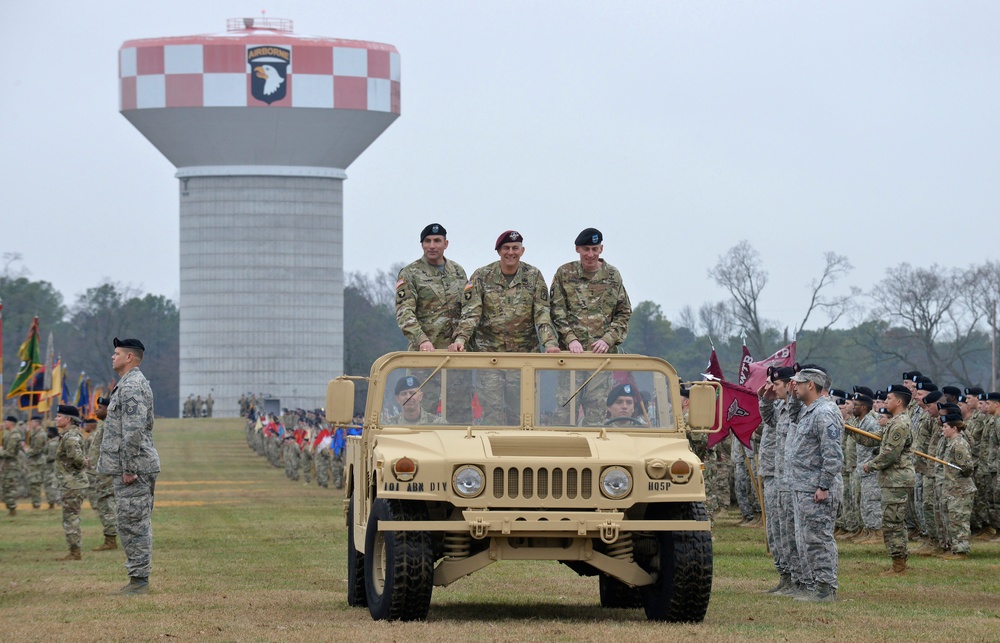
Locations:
column 108, row 460
column 195, row 407
column 302, row 443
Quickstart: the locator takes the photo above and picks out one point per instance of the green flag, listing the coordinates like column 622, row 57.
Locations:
column 31, row 363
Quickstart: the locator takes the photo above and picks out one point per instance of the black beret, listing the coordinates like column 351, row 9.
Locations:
column 993, row 397
column 909, row 375
column 433, row 228
column 879, row 395
column 933, row 397
column 70, row 411
column 406, row 383
column 951, row 390
column 589, row 237
column 948, row 407
column 962, row 398
column 836, row 392
column 11, row 418
column 622, row 390
column 899, row 390
column 951, row 418
column 864, row 390
column 685, row 392
column 129, row 343
column 776, row 373
column 974, row 391
column 927, row 386
column 510, row 236
column 982, row 397
column 90, row 421
column 103, row 401
column 864, row 399
column 35, row 416
column 884, row 411
column 922, row 378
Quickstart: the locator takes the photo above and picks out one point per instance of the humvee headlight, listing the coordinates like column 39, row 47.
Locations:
column 405, row 469
column 616, row 483
column 468, row 481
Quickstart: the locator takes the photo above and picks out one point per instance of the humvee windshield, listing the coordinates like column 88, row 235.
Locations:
column 560, row 398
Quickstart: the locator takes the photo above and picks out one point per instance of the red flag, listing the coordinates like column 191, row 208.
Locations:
column 740, row 414
column 477, row 408
column 714, row 368
column 745, row 363
column 758, row 370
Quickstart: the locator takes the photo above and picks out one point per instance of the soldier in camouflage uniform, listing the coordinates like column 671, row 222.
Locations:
column 866, row 487
column 306, row 456
column 103, row 485
column 10, row 461
column 814, row 460
column 128, row 454
column 505, row 309
column 894, row 463
column 408, row 399
column 323, row 456
column 928, row 428
column 35, row 442
column 53, row 484
column 71, row 461
column 991, row 449
column 776, row 411
column 590, row 310
column 290, row 456
column 849, row 519
column 428, row 309
column 975, row 423
column 957, row 486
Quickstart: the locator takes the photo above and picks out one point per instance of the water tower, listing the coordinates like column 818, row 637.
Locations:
column 261, row 124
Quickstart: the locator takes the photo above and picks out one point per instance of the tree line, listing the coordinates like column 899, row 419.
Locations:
column 940, row 320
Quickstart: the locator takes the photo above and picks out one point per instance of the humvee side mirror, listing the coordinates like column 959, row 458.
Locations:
column 340, row 401
column 701, row 411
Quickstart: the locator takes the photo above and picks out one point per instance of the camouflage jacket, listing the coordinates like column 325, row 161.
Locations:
column 850, row 452
column 894, row 461
column 429, row 302
column 957, row 451
column 586, row 309
column 12, row 444
column 51, row 447
column 127, row 446
column 813, row 455
column 866, row 453
column 781, row 415
column 990, row 450
column 502, row 317
column 425, row 418
column 94, row 450
column 922, row 442
column 974, row 430
column 36, row 441
column 70, row 460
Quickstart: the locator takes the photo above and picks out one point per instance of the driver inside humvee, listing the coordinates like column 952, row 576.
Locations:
column 621, row 404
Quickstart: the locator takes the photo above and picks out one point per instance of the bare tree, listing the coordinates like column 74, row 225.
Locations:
column 378, row 289
column 835, row 306
column 688, row 319
column 931, row 323
column 741, row 272
column 984, row 291
column 716, row 320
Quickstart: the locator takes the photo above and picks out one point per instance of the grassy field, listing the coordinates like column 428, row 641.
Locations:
column 242, row 553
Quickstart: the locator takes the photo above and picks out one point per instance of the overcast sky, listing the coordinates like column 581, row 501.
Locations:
column 678, row 128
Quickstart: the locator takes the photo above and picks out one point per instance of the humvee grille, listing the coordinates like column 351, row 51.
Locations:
column 543, row 482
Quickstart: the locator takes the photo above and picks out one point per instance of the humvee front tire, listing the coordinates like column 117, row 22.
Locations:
column 681, row 567
column 617, row 595
column 399, row 566
column 355, row 565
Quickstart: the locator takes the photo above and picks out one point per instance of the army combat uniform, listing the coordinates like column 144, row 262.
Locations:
column 128, row 447
column 869, row 491
column 585, row 308
column 35, row 442
column 104, row 492
column 956, row 492
column 502, row 316
column 72, row 468
column 428, row 309
column 10, row 460
column 53, row 483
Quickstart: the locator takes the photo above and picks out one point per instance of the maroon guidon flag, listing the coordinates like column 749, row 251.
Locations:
column 784, row 356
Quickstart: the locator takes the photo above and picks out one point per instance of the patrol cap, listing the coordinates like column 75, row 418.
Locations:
column 933, row 397
column 510, row 236
column 775, row 373
column 11, row 418
column 67, row 410
column 927, row 386
column 103, row 401
column 951, row 390
column 589, row 237
column 910, row 375
column 974, row 391
column 951, row 418
column 901, row 391
column 864, row 399
column 622, row 390
column 433, row 228
column 993, row 397
column 814, row 375
column 129, row 343
column 864, row 390
column 406, row 383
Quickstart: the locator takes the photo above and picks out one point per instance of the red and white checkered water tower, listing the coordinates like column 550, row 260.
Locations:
column 261, row 124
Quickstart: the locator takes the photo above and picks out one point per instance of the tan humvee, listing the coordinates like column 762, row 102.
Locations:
column 510, row 470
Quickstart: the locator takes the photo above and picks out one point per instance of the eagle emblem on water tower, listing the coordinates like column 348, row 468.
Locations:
column 269, row 72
